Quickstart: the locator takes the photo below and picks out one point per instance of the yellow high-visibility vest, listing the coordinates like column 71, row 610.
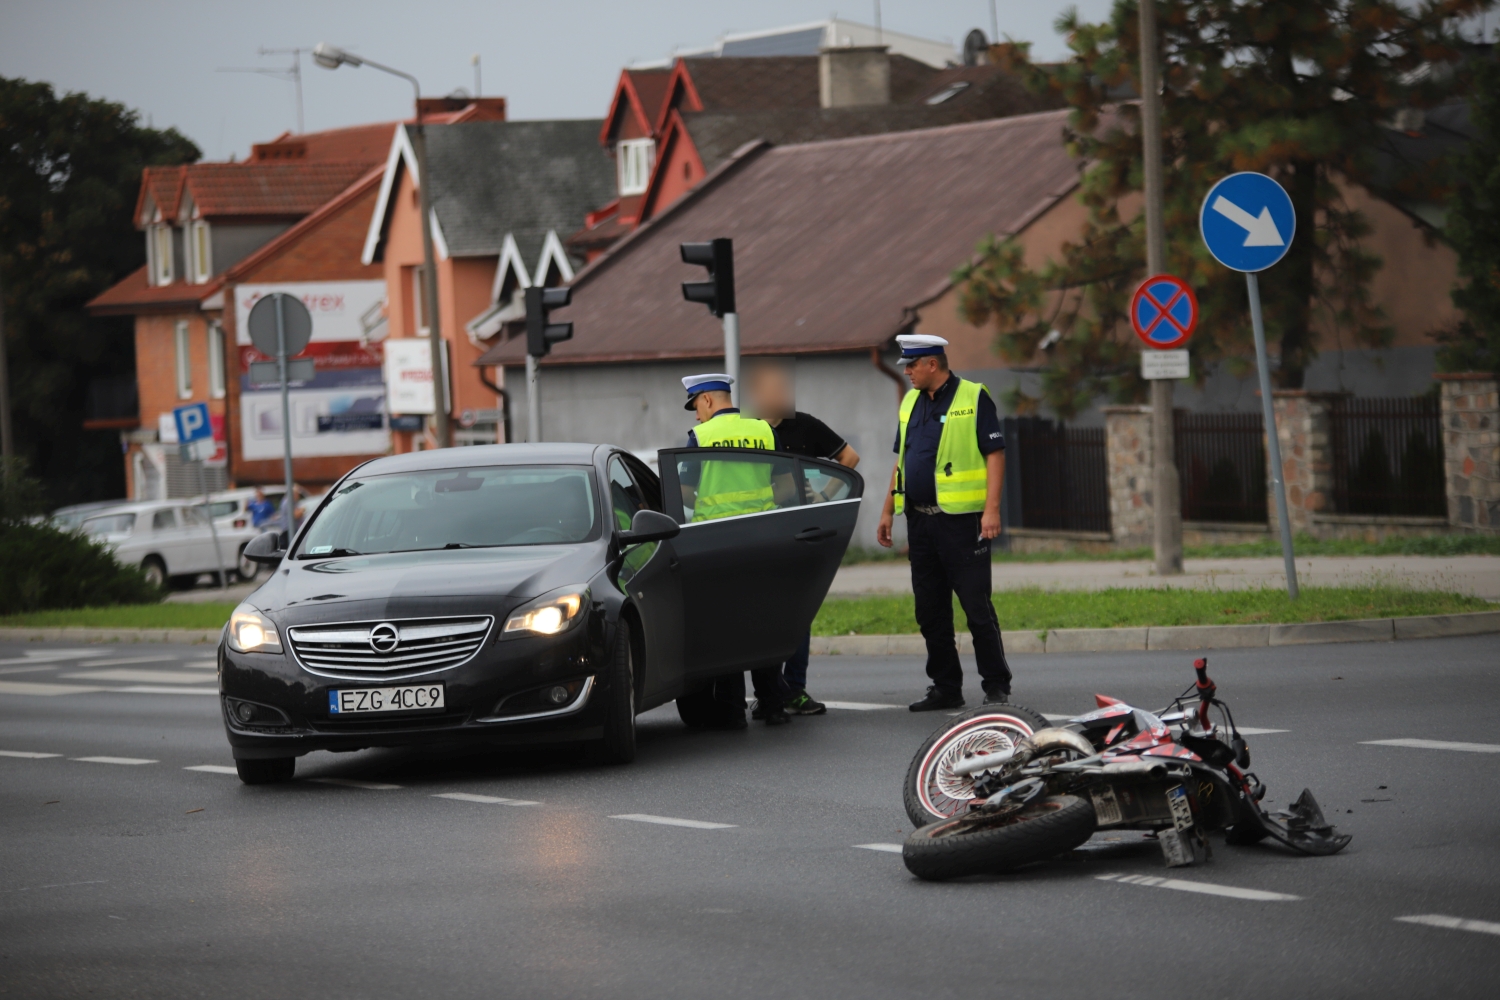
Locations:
column 726, row 488
column 960, row 472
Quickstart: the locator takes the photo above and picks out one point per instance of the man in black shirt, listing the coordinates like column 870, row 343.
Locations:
column 801, row 434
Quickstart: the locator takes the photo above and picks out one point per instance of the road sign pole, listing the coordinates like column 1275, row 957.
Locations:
column 732, row 354
column 1273, row 443
column 533, row 402
column 212, row 528
column 286, row 418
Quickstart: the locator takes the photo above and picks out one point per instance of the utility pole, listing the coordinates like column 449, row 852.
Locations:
column 1166, row 496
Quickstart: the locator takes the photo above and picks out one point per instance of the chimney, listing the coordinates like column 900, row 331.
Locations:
column 854, row 76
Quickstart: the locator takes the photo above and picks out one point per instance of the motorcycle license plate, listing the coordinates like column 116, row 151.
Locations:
column 407, row 698
column 1106, row 806
column 1182, row 812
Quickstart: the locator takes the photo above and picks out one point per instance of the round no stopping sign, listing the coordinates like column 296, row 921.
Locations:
column 1163, row 312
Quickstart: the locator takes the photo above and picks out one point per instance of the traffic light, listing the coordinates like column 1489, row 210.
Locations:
column 540, row 334
column 718, row 291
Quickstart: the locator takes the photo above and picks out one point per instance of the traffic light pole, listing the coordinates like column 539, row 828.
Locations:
column 533, row 402
column 732, row 354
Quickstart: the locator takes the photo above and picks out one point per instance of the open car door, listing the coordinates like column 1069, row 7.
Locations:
column 762, row 535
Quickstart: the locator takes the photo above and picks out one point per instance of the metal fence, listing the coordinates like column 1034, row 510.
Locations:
column 1221, row 464
column 1056, row 476
column 1387, row 456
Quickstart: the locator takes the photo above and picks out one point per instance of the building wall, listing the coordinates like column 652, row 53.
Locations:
column 680, row 168
column 640, row 407
column 233, row 242
column 156, row 375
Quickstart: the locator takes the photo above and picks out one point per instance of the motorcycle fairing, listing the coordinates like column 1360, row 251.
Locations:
column 1301, row 826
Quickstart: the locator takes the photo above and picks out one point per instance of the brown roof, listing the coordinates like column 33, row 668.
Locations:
column 134, row 294
column 835, row 242
column 650, row 87
column 291, row 188
column 754, row 84
column 357, row 144
column 366, row 184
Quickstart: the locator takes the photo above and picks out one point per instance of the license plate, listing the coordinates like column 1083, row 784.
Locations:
column 1106, row 806
column 407, row 698
column 1182, row 812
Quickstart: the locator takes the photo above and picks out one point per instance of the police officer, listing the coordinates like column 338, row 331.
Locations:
column 950, row 465
column 725, row 489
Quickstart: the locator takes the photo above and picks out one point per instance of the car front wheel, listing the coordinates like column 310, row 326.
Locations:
column 266, row 772
column 156, row 573
column 618, row 744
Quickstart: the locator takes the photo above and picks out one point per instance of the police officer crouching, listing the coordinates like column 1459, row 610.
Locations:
column 950, row 466
column 725, row 489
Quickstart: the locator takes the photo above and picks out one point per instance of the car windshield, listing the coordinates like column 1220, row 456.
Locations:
column 110, row 524
column 223, row 508
column 455, row 509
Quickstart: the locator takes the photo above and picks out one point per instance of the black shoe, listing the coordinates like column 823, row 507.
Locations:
column 937, row 699
column 802, row 703
column 777, row 717
column 995, row 696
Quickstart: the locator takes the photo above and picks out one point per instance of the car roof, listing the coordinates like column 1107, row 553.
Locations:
column 485, row 454
column 138, row 507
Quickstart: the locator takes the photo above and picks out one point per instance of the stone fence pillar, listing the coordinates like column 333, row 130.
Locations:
column 1127, row 447
column 1471, row 449
column 1306, row 457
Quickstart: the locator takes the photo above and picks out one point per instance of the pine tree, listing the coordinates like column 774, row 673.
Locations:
column 1297, row 89
column 1473, row 228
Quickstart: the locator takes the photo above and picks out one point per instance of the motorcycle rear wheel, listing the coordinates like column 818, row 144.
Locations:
column 969, row 845
column 931, row 791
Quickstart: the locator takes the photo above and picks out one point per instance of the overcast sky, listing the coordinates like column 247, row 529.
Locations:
column 551, row 58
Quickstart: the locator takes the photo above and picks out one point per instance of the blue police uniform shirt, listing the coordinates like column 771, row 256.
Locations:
column 924, row 430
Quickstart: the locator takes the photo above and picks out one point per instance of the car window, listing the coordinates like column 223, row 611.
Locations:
column 223, row 508
column 645, row 480
column 109, row 524
column 455, row 508
column 163, row 519
column 821, row 484
column 193, row 517
column 625, row 496
column 719, row 484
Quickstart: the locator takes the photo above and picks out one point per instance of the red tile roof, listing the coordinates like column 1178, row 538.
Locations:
column 274, row 188
column 836, row 243
column 133, row 294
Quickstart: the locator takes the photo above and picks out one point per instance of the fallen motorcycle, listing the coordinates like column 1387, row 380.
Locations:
column 994, row 797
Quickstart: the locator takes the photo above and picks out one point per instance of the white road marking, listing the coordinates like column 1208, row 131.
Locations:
column 1436, row 745
column 121, row 661
column 888, row 848
column 142, row 676
column 212, row 769
column 1206, row 888
column 27, row 754
column 45, row 690
column 486, row 799
column 28, row 670
column 859, row 706
column 1452, row 923
column 156, row 689
column 57, row 885
column 374, row 786
column 115, row 760
column 1250, row 731
column 696, row 824
column 51, row 655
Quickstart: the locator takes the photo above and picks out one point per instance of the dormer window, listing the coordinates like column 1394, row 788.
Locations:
column 634, row 159
column 159, row 253
column 200, row 252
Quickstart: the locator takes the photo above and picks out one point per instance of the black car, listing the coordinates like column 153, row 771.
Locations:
column 525, row 594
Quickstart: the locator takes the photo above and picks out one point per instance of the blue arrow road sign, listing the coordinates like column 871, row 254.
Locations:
column 192, row 423
column 1247, row 222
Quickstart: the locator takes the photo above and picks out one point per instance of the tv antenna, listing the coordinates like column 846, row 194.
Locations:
column 292, row 73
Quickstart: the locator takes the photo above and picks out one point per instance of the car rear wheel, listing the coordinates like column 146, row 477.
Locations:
column 618, row 744
column 266, row 772
column 156, row 573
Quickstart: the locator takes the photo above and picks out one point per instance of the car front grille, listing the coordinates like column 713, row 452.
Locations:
column 422, row 645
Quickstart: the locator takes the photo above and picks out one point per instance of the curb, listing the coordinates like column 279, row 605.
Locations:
column 1178, row 637
column 186, row 636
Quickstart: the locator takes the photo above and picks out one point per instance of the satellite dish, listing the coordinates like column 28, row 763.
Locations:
column 976, row 48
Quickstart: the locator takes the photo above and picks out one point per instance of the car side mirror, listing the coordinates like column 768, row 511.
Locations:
column 648, row 526
column 267, row 549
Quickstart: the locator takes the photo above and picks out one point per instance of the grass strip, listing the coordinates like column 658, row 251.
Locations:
column 1122, row 607
column 194, row 616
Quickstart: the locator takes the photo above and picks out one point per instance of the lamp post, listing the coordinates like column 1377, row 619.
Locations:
column 332, row 57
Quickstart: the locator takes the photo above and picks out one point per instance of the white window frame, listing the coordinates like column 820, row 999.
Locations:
column 634, row 159
column 159, row 252
column 184, row 359
column 216, row 375
column 200, row 253
column 418, row 301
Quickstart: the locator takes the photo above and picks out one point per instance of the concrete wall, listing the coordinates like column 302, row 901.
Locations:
column 639, row 407
column 1471, row 450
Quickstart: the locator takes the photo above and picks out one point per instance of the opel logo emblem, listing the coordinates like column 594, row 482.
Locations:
column 384, row 638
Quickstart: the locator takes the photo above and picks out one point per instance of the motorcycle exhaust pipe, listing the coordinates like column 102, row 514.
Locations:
column 1135, row 770
column 983, row 762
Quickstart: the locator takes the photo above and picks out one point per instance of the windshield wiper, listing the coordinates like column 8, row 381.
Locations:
column 466, row 545
column 330, row 554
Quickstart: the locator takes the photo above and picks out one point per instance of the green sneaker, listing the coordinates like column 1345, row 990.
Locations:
column 802, row 703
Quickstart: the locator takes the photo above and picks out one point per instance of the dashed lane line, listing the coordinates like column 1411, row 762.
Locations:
column 115, row 760
column 120, row 661
column 142, row 676
column 1435, row 745
column 484, row 799
column 373, row 786
column 1205, row 888
column 859, row 706
column 1452, row 923
column 1252, row 731
column 157, row 689
column 50, row 656
column 887, row 848
column 27, row 670
column 212, row 769
column 27, row 754
column 695, row 824
column 44, row 690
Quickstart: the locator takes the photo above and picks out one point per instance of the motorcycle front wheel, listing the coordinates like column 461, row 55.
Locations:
column 932, row 791
column 976, row 844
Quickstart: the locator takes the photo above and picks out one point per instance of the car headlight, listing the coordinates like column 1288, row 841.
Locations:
column 551, row 613
column 252, row 632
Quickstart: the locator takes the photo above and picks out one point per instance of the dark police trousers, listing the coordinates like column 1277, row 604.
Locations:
column 949, row 557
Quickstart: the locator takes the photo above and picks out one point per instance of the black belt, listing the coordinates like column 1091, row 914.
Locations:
column 922, row 508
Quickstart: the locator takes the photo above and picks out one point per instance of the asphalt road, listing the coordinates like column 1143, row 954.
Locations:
column 141, row 874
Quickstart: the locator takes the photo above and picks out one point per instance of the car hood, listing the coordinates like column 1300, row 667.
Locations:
column 422, row 584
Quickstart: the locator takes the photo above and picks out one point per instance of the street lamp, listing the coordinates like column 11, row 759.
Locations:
column 332, row 57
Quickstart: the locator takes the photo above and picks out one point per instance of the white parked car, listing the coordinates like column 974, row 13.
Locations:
column 167, row 538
